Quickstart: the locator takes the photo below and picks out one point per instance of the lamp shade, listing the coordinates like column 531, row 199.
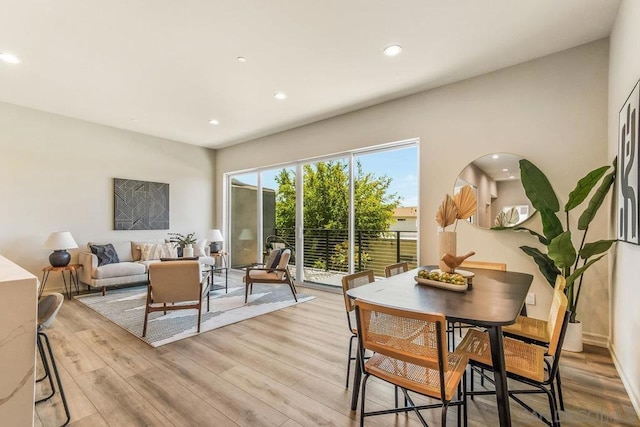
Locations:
column 245, row 234
column 60, row 240
column 215, row 236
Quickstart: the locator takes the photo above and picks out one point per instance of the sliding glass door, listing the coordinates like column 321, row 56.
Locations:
column 325, row 205
column 385, row 209
column 337, row 215
column 243, row 220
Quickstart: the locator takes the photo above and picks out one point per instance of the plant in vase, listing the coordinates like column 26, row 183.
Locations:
column 184, row 241
column 461, row 206
column 561, row 256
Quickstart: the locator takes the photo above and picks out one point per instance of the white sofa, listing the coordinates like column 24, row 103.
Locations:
column 131, row 269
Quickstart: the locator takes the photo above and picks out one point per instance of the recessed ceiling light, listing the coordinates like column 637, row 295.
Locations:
column 214, row 122
column 393, row 50
column 511, row 176
column 7, row 57
column 241, row 59
column 495, row 156
column 280, row 95
column 505, row 170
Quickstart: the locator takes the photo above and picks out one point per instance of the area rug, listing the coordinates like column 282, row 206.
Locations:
column 125, row 308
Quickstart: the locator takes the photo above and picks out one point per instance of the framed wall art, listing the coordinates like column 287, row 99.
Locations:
column 140, row 205
column 628, row 176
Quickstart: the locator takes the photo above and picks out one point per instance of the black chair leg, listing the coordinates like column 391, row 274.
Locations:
column 464, row 400
column 55, row 372
column 443, row 415
column 45, row 367
column 471, row 380
column 349, row 359
column 47, row 372
column 559, row 383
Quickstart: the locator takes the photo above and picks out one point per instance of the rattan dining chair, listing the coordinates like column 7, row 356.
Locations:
column 393, row 269
column 48, row 308
column 525, row 362
column 537, row 331
column 410, row 351
column 349, row 282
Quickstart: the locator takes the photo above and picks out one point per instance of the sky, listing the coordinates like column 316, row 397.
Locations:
column 400, row 165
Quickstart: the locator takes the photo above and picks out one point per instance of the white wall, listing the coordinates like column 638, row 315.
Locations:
column 56, row 173
column 552, row 111
column 624, row 72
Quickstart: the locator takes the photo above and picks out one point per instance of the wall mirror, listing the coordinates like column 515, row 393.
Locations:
column 495, row 178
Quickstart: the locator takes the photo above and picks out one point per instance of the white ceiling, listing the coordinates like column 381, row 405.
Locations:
column 166, row 67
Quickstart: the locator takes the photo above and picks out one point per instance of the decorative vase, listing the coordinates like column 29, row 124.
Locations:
column 187, row 251
column 573, row 338
column 447, row 245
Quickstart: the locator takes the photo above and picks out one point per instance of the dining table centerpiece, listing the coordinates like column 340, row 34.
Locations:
column 461, row 206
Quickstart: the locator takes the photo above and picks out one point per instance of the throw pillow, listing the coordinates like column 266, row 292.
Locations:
column 198, row 248
column 106, row 254
column 276, row 260
column 152, row 251
column 269, row 258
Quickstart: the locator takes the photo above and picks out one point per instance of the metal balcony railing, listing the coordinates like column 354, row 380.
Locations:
column 374, row 249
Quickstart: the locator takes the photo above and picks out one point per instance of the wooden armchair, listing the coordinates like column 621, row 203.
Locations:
column 274, row 271
column 173, row 282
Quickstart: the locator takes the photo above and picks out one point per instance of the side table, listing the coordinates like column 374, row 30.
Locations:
column 73, row 278
column 214, row 268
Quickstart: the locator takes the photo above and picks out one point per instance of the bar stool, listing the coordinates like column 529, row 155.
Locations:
column 48, row 308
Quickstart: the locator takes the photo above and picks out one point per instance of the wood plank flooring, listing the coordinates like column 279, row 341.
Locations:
column 285, row 368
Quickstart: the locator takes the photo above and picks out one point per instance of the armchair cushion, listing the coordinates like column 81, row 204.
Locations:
column 263, row 273
column 106, row 254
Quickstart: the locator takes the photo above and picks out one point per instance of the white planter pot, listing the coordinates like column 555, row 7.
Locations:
column 573, row 338
column 187, row 251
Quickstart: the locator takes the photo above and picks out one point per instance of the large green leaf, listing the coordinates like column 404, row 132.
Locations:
column 596, row 201
column 595, row 248
column 579, row 271
column 561, row 250
column 545, row 264
column 551, row 225
column 584, row 187
column 537, row 187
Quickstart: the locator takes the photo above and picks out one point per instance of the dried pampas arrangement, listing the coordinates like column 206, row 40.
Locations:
column 461, row 206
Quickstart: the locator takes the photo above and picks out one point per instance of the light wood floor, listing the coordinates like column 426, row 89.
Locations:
column 282, row 369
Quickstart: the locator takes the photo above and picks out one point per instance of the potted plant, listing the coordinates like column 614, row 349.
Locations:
column 184, row 241
column 559, row 255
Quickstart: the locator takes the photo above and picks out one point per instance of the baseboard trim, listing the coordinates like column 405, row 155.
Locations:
column 595, row 339
column 635, row 400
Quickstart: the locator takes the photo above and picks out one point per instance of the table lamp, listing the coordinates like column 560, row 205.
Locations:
column 245, row 234
column 59, row 242
column 214, row 237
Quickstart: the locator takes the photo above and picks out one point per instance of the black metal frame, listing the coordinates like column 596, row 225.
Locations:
column 409, row 404
column 545, row 345
column 552, row 370
column 48, row 373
